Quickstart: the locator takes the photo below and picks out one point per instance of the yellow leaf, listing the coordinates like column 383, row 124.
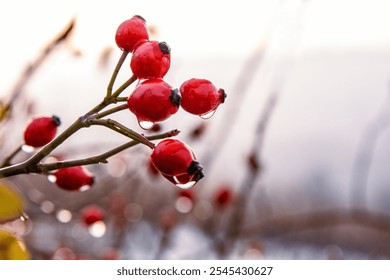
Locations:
column 12, row 247
column 11, row 204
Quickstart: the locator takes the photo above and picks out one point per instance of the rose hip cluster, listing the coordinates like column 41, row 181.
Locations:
column 153, row 100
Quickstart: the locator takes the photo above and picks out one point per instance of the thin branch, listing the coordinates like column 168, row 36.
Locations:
column 32, row 67
column 7, row 160
column 121, row 99
column 115, row 73
column 120, row 128
column 365, row 154
column 253, row 171
column 30, row 165
column 111, row 111
column 236, row 97
column 125, row 85
column 111, row 100
column 102, row 158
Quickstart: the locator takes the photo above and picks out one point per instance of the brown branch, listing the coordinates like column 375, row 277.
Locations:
column 115, row 73
column 102, row 158
column 32, row 67
column 121, row 129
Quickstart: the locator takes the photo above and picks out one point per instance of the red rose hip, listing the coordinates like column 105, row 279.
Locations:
column 177, row 163
column 151, row 60
column 201, row 97
column 73, row 178
column 41, row 130
column 131, row 32
column 153, row 101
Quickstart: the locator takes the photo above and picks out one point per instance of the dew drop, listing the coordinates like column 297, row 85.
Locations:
column 27, row 149
column 208, row 115
column 187, row 185
column 84, row 188
column 52, row 178
column 146, row 124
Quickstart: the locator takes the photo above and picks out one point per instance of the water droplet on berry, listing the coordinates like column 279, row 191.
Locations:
column 85, row 188
column 28, row 149
column 208, row 115
column 146, row 124
column 97, row 229
column 187, row 185
column 52, row 178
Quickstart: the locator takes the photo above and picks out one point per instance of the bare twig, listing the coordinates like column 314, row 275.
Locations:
column 120, row 128
column 115, row 73
column 365, row 154
column 102, row 158
column 32, row 67
column 7, row 159
column 32, row 164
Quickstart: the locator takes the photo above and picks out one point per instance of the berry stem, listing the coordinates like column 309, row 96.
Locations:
column 125, row 85
column 111, row 100
column 102, row 158
column 115, row 73
column 111, row 111
column 121, row 99
column 7, row 159
column 118, row 127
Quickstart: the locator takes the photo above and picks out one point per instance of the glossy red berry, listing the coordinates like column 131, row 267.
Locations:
column 131, row 32
column 177, row 163
column 41, row 130
column 151, row 60
column 91, row 215
column 223, row 196
column 73, row 178
column 153, row 101
column 201, row 97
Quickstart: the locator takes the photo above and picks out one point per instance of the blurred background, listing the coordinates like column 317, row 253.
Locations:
column 296, row 160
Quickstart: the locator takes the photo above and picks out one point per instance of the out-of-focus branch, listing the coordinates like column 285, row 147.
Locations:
column 319, row 220
column 366, row 148
column 32, row 67
column 7, row 159
column 236, row 97
column 253, row 171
